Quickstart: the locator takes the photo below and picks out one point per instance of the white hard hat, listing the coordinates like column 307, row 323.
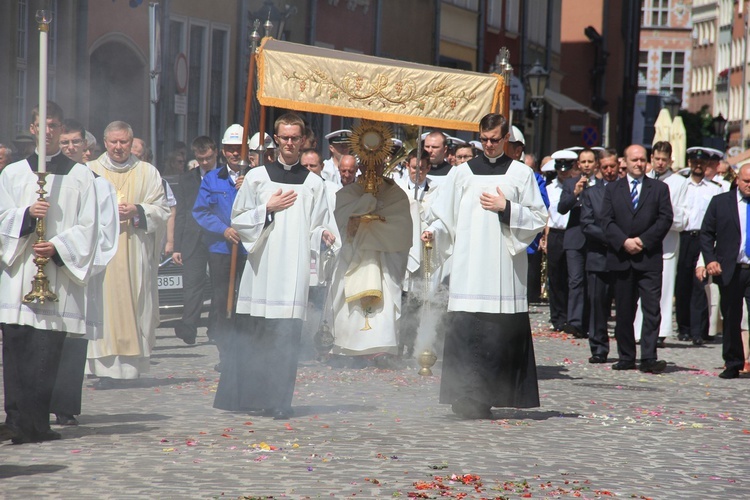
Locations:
column 255, row 142
column 233, row 134
column 516, row 135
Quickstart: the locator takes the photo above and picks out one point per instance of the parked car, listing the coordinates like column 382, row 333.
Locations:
column 169, row 280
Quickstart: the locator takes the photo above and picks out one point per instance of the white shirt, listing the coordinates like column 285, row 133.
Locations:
column 556, row 219
column 698, row 196
column 638, row 186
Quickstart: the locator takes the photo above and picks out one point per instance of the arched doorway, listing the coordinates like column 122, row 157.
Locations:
column 118, row 85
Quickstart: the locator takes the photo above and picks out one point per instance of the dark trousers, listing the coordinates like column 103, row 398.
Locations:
column 577, row 307
column 557, row 274
column 30, row 361
column 691, row 303
column 732, row 296
column 66, row 397
column 600, row 308
column 534, row 277
column 194, row 281
column 219, row 265
column 629, row 286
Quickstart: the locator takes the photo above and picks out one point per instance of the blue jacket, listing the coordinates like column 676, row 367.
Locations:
column 213, row 210
column 545, row 197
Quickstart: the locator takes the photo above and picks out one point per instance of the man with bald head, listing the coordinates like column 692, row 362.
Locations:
column 725, row 244
column 347, row 169
column 637, row 214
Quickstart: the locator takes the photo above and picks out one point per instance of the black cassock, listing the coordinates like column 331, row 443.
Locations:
column 489, row 358
column 259, row 368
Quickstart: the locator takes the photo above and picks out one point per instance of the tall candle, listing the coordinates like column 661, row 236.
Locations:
column 43, row 19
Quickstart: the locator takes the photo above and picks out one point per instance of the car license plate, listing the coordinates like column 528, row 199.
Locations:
column 169, row 282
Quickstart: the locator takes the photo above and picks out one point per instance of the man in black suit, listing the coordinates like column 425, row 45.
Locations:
column 574, row 242
column 189, row 249
column 726, row 251
column 637, row 213
column 598, row 279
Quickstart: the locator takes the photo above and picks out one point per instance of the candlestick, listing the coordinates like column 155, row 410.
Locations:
column 40, row 291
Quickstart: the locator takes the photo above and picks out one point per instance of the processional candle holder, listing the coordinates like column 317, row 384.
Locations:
column 427, row 358
column 40, row 291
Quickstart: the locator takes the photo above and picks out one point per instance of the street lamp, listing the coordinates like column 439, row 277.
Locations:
column 536, row 79
column 672, row 103
column 719, row 124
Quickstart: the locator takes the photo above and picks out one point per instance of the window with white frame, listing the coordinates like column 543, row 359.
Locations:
column 672, row 72
column 206, row 46
column 643, row 71
column 512, row 15
column 655, row 13
column 495, row 14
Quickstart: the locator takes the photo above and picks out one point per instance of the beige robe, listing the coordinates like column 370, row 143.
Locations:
column 367, row 282
column 131, row 308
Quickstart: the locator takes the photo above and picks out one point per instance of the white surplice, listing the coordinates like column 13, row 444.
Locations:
column 131, row 304
column 489, row 256
column 276, row 277
column 106, row 248
column 370, row 268
column 419, row 206
column 71, row 225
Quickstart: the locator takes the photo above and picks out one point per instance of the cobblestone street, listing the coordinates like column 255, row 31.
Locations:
column 374, row 434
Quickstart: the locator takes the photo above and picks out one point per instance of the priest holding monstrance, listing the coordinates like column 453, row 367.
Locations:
column 375, row 223
column 47, row 244
column 491, row 210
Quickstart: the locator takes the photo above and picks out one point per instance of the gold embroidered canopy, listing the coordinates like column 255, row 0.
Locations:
column 307, row 78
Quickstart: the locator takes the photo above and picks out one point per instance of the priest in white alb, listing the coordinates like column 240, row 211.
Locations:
column 131, row 310
column 373, row 217
column 281, row 214
column 491, row 209
column 34, row 332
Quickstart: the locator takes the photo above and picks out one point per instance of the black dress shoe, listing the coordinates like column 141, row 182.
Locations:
column 65, row 419
column 661, row 342
column 683, row 336
column 48, row 435
column 624, row 365
column 698, row 341
column 572, row 330
column 597, row 359
column 282, row 413
column 186, row 334
column 653, row 366
column 730, row 373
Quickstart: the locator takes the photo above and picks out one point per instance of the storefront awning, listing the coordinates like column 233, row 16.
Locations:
column 564, row 103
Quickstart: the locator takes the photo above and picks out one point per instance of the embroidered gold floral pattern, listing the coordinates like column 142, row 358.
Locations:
column 380, row 90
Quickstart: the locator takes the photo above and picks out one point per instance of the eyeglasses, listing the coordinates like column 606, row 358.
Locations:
column 74, row 142
column 491, row 140
column 294, row 138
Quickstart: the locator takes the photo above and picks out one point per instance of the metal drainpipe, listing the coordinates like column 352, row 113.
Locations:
column 378, row 25
column 480, row 36
column 437, row 33
column 312, row 7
